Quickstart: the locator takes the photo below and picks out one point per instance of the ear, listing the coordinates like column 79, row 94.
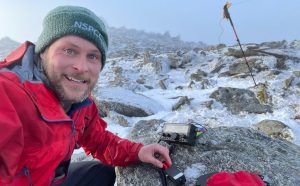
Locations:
column 42, row 55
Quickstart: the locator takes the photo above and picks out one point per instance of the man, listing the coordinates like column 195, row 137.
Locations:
column 46, row 109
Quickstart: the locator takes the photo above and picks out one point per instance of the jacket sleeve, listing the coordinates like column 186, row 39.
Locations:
column 106, row 146
column 11, row 136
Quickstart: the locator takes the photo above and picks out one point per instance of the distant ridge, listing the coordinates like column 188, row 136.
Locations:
column 127, row 42
column 124, row 42
column 6, row 46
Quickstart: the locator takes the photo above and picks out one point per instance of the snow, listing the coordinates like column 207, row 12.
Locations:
column 285, row 108
column 194, row 171
column 124, row 88
column 286, row 104
column 128, row 97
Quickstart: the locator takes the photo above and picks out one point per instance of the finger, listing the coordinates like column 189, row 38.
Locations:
column 164, row 154
column 156, row 162
column 159, row 157
column 167, row 158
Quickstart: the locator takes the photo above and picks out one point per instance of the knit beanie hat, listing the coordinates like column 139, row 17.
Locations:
column 73, row 20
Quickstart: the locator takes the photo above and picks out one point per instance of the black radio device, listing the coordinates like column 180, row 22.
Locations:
column 179, row 133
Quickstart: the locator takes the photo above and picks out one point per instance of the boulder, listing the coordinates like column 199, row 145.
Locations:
column 182, row 101
column 220, row 149
column 275, row 129
column 125, row 102
column 198, row 75
column 275, row 44
column 144, row 129
column 241, row 67
column 239, row 54
column 237, row 100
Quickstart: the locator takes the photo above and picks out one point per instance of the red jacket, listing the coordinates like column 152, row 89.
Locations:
column 36, row 135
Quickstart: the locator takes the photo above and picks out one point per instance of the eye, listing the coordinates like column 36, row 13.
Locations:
column 93, row 57
column 69, row 51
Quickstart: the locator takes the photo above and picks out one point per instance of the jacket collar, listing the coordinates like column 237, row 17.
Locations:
column 78, row 106
column 49, row 105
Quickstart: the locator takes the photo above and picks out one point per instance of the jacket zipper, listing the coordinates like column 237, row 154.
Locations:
column 26, row 172
column 73, row 133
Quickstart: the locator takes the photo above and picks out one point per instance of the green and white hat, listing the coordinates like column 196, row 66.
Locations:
column 73, row 20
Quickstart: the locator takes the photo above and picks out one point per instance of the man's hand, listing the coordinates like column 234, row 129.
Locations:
column 149, row 153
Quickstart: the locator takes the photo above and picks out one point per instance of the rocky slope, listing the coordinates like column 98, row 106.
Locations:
column 228, row 149
column 6, row 46
column 253, row 122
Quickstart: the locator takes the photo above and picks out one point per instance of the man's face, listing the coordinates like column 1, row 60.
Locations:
column 72, row 66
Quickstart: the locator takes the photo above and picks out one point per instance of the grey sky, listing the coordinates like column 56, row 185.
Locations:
column 194, row 20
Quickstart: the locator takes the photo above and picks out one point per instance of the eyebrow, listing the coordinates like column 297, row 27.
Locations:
column 77, row 46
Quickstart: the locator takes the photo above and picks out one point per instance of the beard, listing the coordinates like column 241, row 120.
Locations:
column 54, row 82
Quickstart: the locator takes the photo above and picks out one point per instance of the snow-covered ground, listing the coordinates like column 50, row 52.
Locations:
column 285, row 107
column 142, row 74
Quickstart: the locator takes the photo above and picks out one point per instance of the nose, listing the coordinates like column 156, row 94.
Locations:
column 80, row 65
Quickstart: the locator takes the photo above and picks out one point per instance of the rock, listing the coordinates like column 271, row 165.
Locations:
column 126, row 102
column 279, row 55
column 220, row 46
column 297, row 73
column 275, row 44
column 7, row 45
column 198, row 76
column 187, row 58
column 253, row 46
column 175, row 61
column 162, row 84
column 274, row 72
column 148, row 87
column 179, row 87
column 202, row 53
column 141, row 80
column 216, row 47
column 122, row 108
column 237, row 100
column 118, row 79
column 118, row 118
column 238, row 53
column 143, row 129
column 287, row 83
column 275, row 129
column 204, row 84
column 280, row 63
column 295, row 44
column 191, row 84
column 179, row 53
column 146, row 57
column 222, row 149
column 297, row 117
column 241, row 66
column 217, row 68
column 262, row 93
column 208, row 104
column 136, row 55
column 102, row 108
column 182, row 101
column 199, row 50
column 76, row 157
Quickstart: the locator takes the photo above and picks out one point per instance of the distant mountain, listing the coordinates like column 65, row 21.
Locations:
column 127, row 42
column 6, row 46
column 124, row 42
